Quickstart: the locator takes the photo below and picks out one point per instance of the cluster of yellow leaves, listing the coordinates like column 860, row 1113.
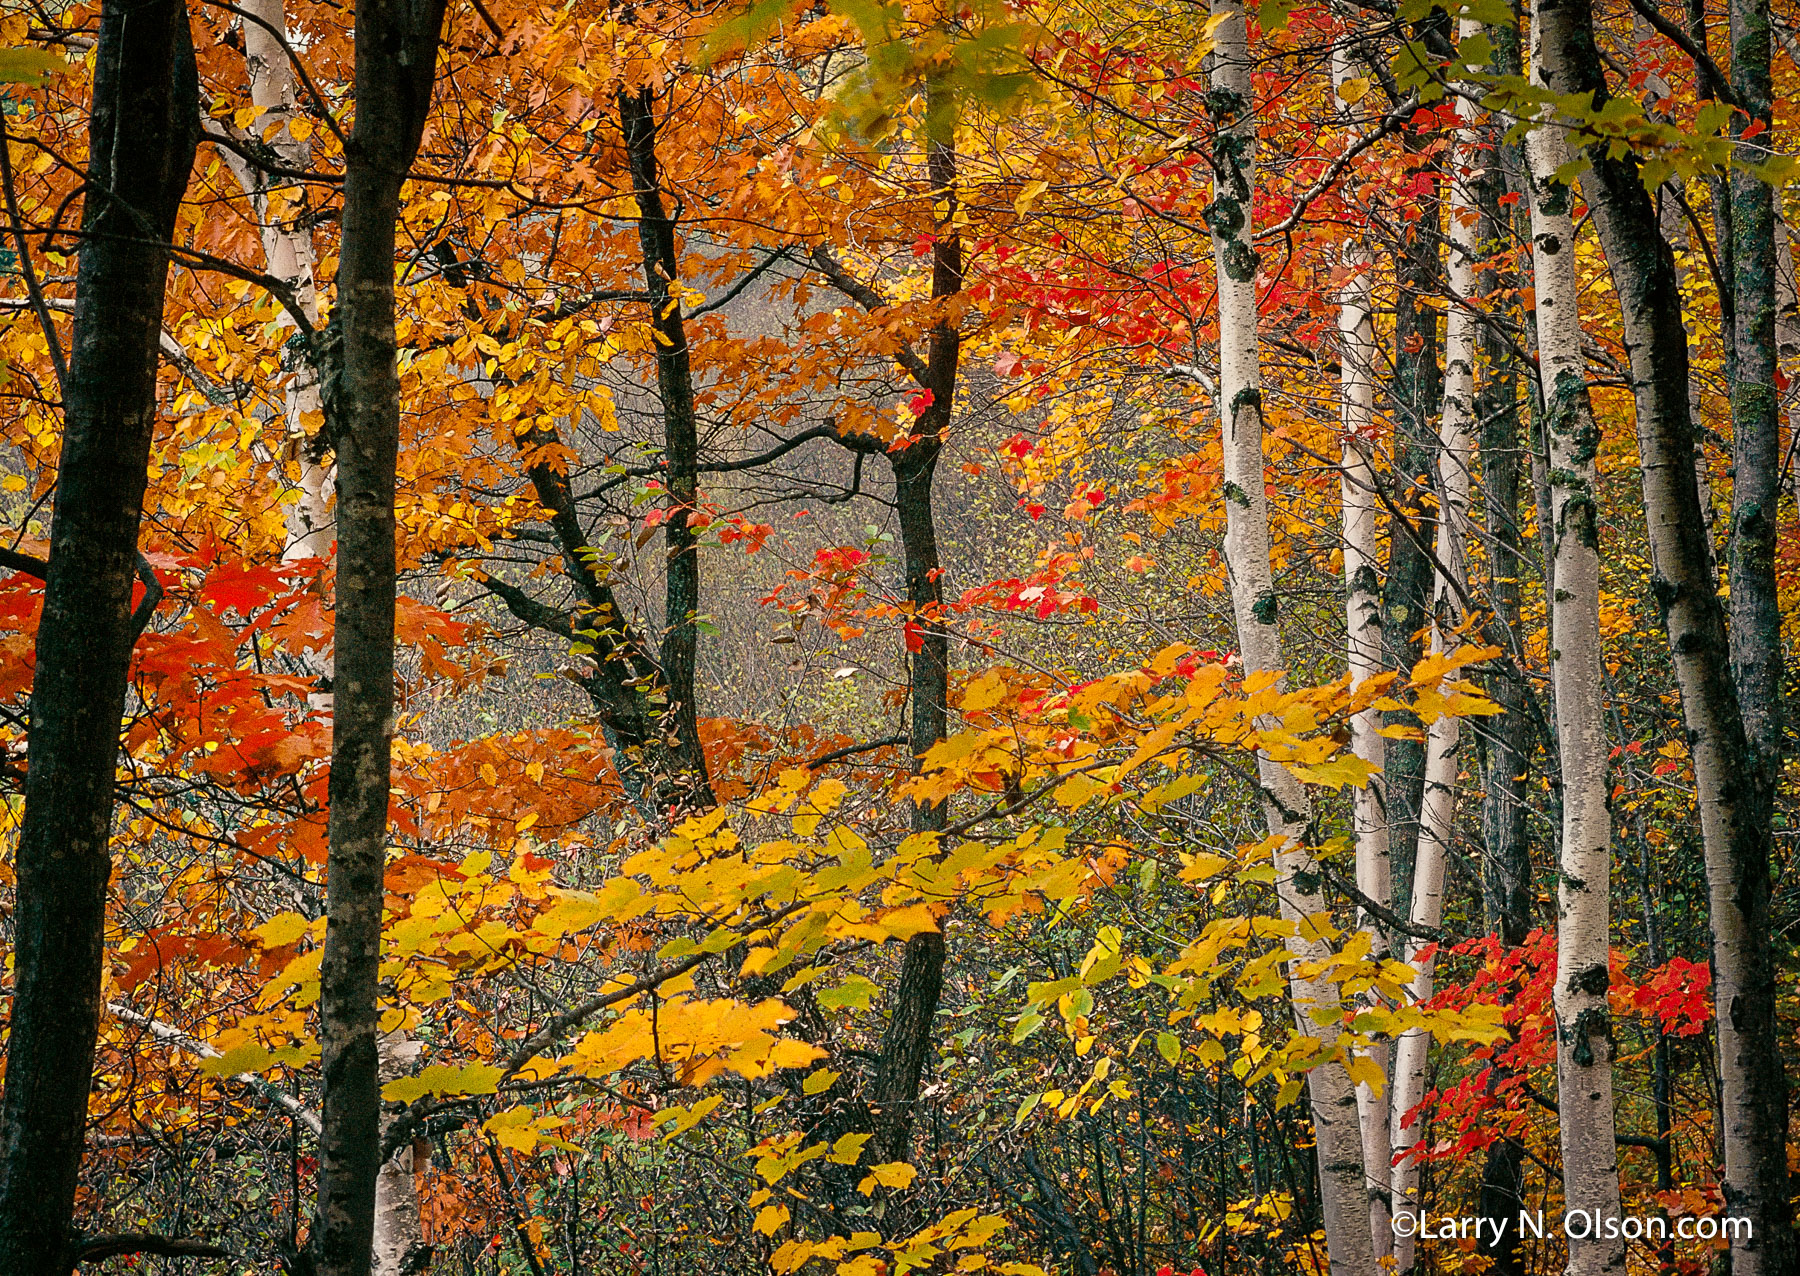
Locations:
column 962, row 1232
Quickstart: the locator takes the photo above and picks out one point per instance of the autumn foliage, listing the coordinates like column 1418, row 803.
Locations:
column 709, row 318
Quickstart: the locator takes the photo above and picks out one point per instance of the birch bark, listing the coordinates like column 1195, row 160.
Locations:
column 283, row 217
column 1363, row 655
column 1343, row 1194
column 1584, row 1032
column 1735, row 825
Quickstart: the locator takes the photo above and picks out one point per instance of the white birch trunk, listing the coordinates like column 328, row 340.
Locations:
column 1584, row 1052
column 1344, row 1197
column 1787, row 347
column 1363, row 648
column 1437, row 810
column 288, row 256
column 399, row 1245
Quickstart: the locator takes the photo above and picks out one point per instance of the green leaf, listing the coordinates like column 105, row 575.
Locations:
column 30, row 66
column 1168, row 1045
column 853, row 992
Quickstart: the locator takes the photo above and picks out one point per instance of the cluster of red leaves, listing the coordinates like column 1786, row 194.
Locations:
column 1493, row 1099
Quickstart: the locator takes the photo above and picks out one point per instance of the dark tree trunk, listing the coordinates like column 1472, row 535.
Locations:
column 144, row 128
column 1735, row 821
column 681, row 448
column 907, row 1041
column 396, row 62
column 1506, row 739
column 1506, row 876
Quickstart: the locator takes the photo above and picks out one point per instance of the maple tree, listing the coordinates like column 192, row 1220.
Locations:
column 881, row 637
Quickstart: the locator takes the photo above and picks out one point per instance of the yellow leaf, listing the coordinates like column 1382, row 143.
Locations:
column 904, row 923
column 281, row 930
column 474, row 1078
column 984, row 693
column 820, row 1081
column 1076, row 791
column 251, row 1056
column 515, row 1128
column 769, row 1218
column 893, row 1174
column 848, row 1150
column 1028, row 192
column 686, row 1119
column 792, row 1256
column 1344, row 769
column 1364, row 1071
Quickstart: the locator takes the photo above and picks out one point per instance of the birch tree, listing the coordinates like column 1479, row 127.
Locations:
column 1734, row 823
column 1363, row 657
column 1254, row 605
column 1584, row 1055
column 284, row 224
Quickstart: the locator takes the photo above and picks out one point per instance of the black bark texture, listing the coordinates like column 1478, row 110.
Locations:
column 144, row 129
column 906, row 1044
column 681, row 451
column 396, row 63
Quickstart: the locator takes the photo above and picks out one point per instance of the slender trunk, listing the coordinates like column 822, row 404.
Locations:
column 675, row 385
column 1443, row 738
column 1787, row 349
column 906, row 1044
column 1343, row 1193
column 398, row 1248
column 1734, row 823
column 287, row 256
column 142, row 135
column 1505, row 739
column 1417, row 399
column 1584, row 1055
column 1362, row 620
column 396, row 61
column 1506, row 867
column 1755, row 620
column 1676, row 232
